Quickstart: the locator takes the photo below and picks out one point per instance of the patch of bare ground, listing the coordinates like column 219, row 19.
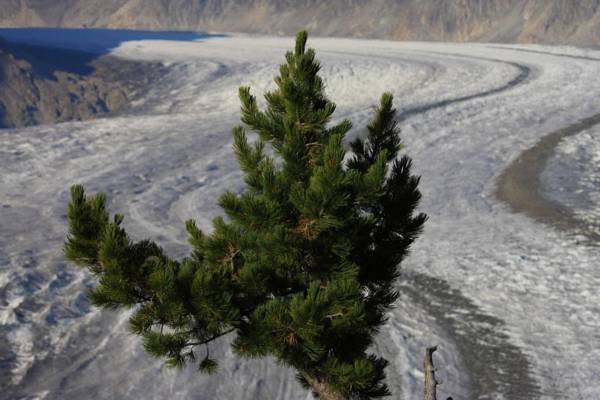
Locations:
column 520, row 184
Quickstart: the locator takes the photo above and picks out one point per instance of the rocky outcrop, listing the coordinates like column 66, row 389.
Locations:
column 34, row 89
column 541, row 21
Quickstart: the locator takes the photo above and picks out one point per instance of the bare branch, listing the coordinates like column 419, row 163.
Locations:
column 210, row 339
column 429, row 370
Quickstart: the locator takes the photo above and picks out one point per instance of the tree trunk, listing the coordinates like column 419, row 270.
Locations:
column 429, row 370
column 324, row 391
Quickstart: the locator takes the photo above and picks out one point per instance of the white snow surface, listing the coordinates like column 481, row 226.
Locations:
column 505, row 288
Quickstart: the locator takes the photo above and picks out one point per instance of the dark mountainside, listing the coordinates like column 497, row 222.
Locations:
column 575, row 22
column 42, row 85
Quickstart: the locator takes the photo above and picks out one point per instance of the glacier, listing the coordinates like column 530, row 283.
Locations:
column 512, row 302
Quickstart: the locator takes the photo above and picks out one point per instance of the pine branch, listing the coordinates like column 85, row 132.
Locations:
column 303, row 264
column 214, row 337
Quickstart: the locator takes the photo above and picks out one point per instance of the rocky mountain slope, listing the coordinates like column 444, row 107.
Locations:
column 43, row 85
column 543, row 21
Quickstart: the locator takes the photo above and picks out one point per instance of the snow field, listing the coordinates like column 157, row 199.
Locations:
column 503, row 286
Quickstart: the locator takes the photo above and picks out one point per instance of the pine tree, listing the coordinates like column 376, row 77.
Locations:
column 302, row 266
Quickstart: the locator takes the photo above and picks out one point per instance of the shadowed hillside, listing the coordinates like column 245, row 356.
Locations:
column 41, row 85
column 542, row 21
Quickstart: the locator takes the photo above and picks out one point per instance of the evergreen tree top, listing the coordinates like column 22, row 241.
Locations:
column 303, row 265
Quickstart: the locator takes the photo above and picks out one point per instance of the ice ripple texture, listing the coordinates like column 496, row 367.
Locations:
column 512, row 303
